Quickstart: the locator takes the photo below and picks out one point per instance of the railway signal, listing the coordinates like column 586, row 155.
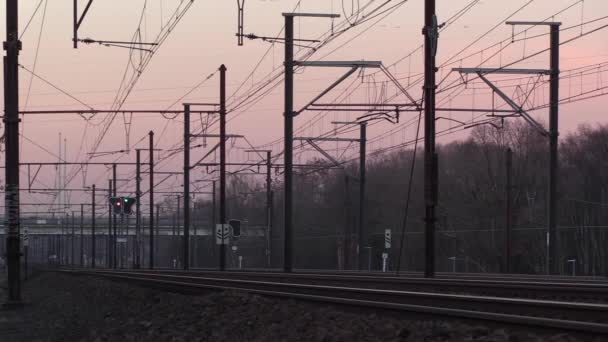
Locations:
column 236, row 228
column 116, row 203
column 128, row 203
column 122, row 205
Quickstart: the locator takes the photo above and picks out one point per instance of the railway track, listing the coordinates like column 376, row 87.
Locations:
column 565, row 315
column 410, row 274
column 553, row 289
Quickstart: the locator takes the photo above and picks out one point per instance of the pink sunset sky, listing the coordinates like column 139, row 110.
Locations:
column 205, row 38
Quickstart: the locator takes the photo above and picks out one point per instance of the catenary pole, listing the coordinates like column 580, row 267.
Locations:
column 93, row 227
column 223, row 218
column 137, row 208
column 151, row 193
column 268, row 207
column 431, row 34
column 12, row 45
column 288, row 148
column 81, row 235
column 362, row 180
column 114, row 223
column 186, row 245
column 109, row 239
column 553, row 264
column 509, row 223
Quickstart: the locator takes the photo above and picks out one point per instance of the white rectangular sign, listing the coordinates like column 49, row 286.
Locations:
column 387, row 238
column 121, row 240
column 219, row 234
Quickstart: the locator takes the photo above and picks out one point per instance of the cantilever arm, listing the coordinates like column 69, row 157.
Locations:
column 515, row 106
column 323, row 93
column 322, row 151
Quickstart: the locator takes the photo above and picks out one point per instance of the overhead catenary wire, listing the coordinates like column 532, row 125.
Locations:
column 30, row 19
column 55, row 86
column 29, row 88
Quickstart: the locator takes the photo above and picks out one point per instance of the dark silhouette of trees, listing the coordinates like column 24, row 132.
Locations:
column 472, row 205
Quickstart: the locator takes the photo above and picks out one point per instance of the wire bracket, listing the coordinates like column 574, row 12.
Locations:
column 240, row 35
column 78, row 20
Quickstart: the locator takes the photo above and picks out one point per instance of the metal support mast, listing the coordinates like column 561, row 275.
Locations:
column 72, row 238
column 93, row 227
column 186, row 250
column 268, row 207
column 268, row 203
column 553, row 265
column 65, row 228
column 288, row 131
column 362, row 181
column 109, row 239
column 12, row 45
column 223, row 219
column 114, row 224
column 176, row 229
column 553, row 134
column 288, row 152
column 151, row 190
column 138, row 208
column 431, row 34
column 508, row 223
column 81, row 235
column 214, row 207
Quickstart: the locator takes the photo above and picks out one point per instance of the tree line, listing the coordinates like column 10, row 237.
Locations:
column 472, row 209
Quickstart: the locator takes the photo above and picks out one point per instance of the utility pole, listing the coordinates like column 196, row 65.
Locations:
column 552, row 133
column 137, row 207
column 64, row 228
column 151, row 257
column 93, row 228
column 223, row 219
column 157, row 223
column 109, row 239
column 114, row 242
column 12, row 45
column 431, row 33
column 347, row 225
column 362, row 181
column 268, row 202
column 81, row 235
column 59, row 249
column 213, row 207
column 72, row 238
column 553, row 266
column 288, row 147
column 288, row 136
column 176, row 227
column 362, row 235
column 268, row 207
column 509, row 223
column 194, row 250
column 186, row 246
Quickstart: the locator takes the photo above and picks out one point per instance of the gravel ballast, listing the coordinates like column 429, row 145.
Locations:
column 63, row 307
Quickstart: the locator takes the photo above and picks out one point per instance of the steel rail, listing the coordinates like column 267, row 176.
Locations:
column 402, row 275
column 592, row 292
column 539, row 313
